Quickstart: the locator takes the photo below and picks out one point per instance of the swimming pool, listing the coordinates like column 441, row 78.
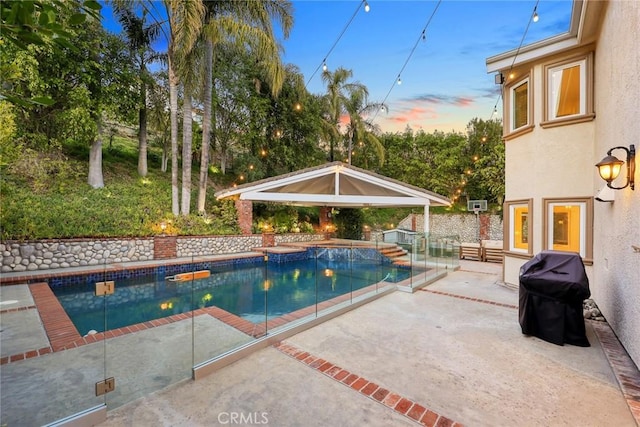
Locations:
column 253, row 292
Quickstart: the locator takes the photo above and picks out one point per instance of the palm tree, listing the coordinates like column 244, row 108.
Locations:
column 185, row 20
column 140, row 37
column 358, row 128
column 185, row 23
column 245, row 25
column 339, row 90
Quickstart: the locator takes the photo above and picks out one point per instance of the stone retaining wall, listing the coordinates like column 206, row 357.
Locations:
column 59, row 254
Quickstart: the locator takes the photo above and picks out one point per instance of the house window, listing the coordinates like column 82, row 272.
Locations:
column 520, row 105
column 518, row 226
column 568, row 225
column 567, row 90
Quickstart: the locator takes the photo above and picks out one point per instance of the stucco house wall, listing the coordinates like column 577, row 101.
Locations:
column 559, row 161
column 616, row 274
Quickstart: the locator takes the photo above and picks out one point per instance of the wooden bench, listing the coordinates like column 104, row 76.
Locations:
column 492, row 250
column 470, row 250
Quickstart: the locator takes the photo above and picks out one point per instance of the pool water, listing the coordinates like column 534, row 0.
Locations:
column 255, row 293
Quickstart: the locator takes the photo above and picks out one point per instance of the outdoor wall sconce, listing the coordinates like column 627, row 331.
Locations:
column 609, row 167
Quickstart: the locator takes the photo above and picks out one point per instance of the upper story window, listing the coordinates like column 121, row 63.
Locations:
column 569, row 91
column 519, row 105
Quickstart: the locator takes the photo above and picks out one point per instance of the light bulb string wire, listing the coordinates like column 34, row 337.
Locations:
column 344, row 30
column 526, row 30
column 397, row 79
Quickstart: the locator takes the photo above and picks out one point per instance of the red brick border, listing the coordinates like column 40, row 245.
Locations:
column 484, row 301
column 63, row 335
column 625, row 370
column 398, row 403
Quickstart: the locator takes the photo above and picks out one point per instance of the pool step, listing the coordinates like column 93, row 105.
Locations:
column 395, row 253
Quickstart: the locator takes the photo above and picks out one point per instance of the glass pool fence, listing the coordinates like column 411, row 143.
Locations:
column 116, row 334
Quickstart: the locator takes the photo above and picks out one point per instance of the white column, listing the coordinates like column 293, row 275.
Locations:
column 426, row 218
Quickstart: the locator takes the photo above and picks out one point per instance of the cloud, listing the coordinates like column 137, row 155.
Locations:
column 458, row 101
column 414, row 114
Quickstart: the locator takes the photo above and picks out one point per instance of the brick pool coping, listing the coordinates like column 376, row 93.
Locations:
column 63, row 335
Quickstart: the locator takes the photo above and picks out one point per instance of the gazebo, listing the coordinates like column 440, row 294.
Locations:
column 334, row 184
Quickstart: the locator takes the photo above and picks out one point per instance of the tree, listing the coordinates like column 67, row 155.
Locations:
column 185, row 23
column 487, row 149
column 88, row 80
column 339, row 90
column 49, row 23
column 159, row 119
column 140, row 35
column 245, row 25
column 360, row 132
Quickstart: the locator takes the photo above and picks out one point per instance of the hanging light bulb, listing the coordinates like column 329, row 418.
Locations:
column 399, row 80
column 366, row 6
column 324, row 65
column 424, row 36
column 495, row 110
column 535, row 14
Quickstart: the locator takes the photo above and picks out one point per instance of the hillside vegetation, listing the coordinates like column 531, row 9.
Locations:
column 45, row 195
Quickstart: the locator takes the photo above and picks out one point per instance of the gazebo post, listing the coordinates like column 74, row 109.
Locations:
column 426, row 219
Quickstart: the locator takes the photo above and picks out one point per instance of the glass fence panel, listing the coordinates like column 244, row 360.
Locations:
column 50, row 366
column 148, row 330
column 230, row 305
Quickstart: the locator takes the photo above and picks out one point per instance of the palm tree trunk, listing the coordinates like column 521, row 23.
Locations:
column 187, row 137
column 206, row 126
column 95, row 178
column 173, row 103
column 142, row 136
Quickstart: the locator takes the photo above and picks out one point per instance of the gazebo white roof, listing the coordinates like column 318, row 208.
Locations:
column 335, row 184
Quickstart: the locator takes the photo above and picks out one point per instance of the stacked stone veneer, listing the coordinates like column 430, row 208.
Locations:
column 60, row 254
column 469, row 227
column 54, row 254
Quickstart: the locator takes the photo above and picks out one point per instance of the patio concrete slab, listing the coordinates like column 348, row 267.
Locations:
column 454, row 348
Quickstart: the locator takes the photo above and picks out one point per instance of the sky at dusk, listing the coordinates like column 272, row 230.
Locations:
column 444, row 79
column 444, row 83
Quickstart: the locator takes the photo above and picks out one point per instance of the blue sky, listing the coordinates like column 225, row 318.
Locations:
column 444, row 82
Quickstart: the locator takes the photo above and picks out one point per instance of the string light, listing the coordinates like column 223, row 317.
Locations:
column 324, row 63
column 509, row 73
column 420, row 37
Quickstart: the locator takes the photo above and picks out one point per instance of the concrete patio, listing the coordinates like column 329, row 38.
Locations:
column 449, row 354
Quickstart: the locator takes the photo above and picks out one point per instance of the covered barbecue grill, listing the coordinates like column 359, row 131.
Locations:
column 553, row 286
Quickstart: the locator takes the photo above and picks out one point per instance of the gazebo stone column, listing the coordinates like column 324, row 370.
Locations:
column 324, row 217
column 245, row 215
